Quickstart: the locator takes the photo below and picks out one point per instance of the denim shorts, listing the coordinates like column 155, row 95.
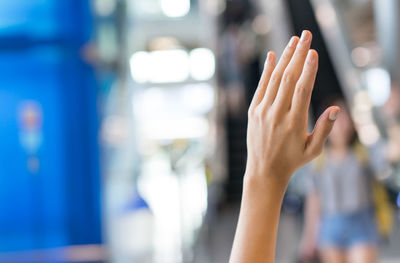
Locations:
column 346, row 230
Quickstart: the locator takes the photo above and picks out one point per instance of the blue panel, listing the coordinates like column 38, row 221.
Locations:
column 49, row 176
column 80, row 97
column 59, row 204
column 35, row 215
column 24, row 21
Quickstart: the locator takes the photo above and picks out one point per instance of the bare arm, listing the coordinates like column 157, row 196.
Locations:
column 311, row 218
column 278, row 144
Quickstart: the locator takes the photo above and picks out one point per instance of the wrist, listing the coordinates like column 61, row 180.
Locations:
column 265, row 181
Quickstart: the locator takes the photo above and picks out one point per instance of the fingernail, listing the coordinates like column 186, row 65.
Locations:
column 310, row 57
column 333, row 114
column 292, row 42
column 305, row 36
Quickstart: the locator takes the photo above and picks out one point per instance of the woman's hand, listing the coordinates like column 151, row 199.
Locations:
column 277, row 138
column 278, row 144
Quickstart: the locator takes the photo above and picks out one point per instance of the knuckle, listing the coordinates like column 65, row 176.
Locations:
column 302, row 50
column 274, row 121
column 255, row 113
column 251, row 113
column 275, row 78
column 261, row 83
column 302, row 89
column 259, row 112
column 287, row 78
column 286, row 55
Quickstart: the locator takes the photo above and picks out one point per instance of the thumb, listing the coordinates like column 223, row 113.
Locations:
column 323, row 127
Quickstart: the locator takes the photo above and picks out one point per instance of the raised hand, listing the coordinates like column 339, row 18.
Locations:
column 278, row 144
column 277, row 141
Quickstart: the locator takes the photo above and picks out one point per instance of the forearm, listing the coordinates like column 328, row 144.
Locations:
column 258, row 220
column 312, row 214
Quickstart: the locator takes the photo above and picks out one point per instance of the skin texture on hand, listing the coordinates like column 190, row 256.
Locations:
column 277, row 145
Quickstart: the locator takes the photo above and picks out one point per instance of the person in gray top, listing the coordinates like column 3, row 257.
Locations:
column 339, row 213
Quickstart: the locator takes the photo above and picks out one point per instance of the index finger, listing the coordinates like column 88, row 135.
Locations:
column 302, row 95
column 266, row 75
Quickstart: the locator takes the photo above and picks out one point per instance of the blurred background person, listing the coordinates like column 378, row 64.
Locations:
column 340, row 218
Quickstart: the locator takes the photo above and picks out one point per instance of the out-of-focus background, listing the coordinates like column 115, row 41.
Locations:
column 123, row 122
